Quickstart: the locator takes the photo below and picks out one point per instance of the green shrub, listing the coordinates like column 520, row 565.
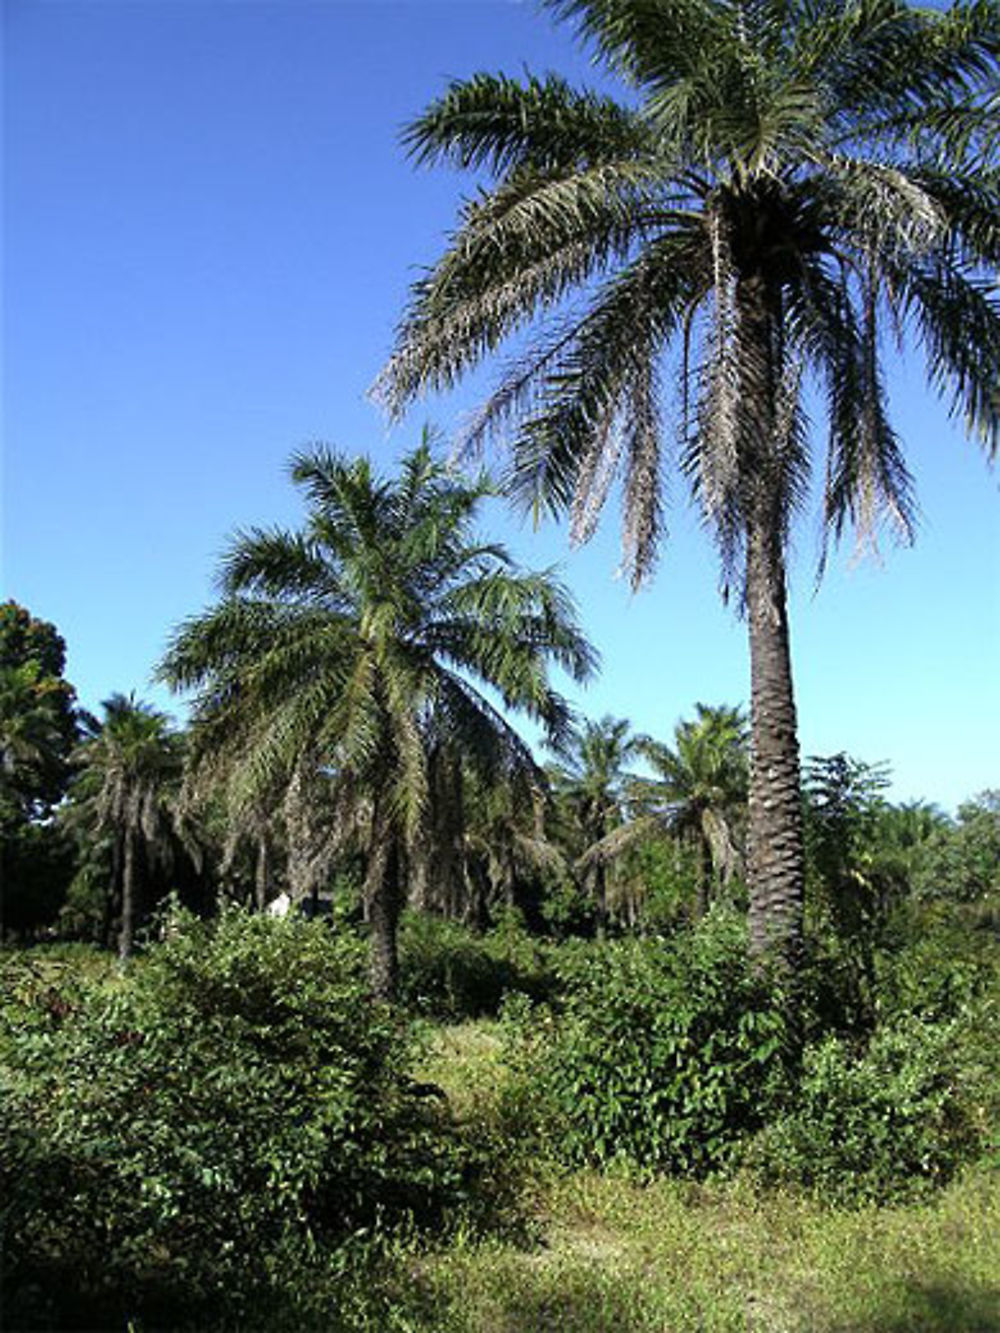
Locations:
column 665, row 1055
column 881, row 1124
column 942, row 966
column 179, row 1144
column 449, row 972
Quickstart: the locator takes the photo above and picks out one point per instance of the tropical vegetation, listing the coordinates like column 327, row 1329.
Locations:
column 356, row 653
column 387, row 991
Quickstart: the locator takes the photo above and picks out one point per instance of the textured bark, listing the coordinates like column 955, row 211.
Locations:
column 384, row 898
column 128, row 897
column 776, row 868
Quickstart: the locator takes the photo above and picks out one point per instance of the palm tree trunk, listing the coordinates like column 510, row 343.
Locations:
column 128, row 897
column 383, row 898
column 601, row 885
column 703, row 871
column 384, row 919
column 776, row 867
column 109, row 909
column 262, row 874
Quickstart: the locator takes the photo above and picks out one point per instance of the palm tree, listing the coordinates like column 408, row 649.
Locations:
column 360, row 648
column 592, row 782
column 791, row 183
column 698, row 796
column 700, row 791
column 507, row 849
column 126, row 788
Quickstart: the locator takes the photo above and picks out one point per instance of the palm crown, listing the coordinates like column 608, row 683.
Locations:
column 792, row 182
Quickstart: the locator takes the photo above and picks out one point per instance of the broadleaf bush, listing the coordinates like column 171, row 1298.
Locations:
column 450, row 972
column 178, row 1143
column 885, row 1122
column 665, row 1054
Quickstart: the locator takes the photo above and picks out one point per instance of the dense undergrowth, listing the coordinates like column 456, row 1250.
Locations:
column 230, row 1134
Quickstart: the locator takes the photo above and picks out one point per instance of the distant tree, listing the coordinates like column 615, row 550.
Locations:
column 904, row 834
column 854, row 878
column 360, row 648
column 126, row 790
column 38, row 718
column 591, row 781
column 787, row 187
column 38, row 729
column 961, row 861
column 698, row 794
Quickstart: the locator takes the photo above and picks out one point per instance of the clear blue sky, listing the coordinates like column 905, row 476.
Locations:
column 209, row 233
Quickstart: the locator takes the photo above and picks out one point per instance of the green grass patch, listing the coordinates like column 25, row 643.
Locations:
column 674, row 1257
column 466, row 1060
column 603, row 1251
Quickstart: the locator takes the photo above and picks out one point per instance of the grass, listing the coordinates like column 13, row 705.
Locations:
column 614, row 1256
column 671, row 1258
column 602, row 1253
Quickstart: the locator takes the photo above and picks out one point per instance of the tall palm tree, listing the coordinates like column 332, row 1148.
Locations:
column 129, row 772
column 592, row 782
column 361, row 647
column 790, row 184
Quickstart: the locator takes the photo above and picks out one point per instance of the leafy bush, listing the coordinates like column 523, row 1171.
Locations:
column 176, row 1144
column 942, row 965
column 882, row 1124
column 665, row 1055
column 450, row 972
column 962, row 863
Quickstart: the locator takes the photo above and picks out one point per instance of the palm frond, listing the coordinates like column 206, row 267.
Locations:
column 600, row 372
column 532, row 241
column 494, row 122
column 958, row 318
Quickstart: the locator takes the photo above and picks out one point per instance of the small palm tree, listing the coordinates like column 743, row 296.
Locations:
column 698, row 795
column 129, row 772
column 592, row 784
column 791, row 185
column 700, row 791
column 361, row 647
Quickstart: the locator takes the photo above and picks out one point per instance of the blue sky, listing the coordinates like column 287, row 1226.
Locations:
column 209, row 231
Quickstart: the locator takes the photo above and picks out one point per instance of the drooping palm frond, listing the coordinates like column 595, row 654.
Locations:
column 957, row 315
